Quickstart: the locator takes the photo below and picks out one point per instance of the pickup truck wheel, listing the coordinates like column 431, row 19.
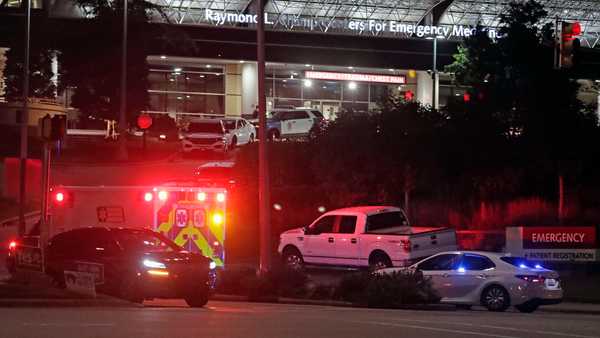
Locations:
column 379, row 261
column 292, row 258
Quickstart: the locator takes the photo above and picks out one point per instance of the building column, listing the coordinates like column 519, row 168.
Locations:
column 249, row 87
column 424, row 88
column 233, row 90
column 2, row 66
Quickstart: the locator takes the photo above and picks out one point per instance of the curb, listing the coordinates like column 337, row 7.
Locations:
column 336, row 303
column 571, row 311
column 44, row 302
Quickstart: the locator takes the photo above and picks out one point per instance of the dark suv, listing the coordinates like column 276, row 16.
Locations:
column 133, row 264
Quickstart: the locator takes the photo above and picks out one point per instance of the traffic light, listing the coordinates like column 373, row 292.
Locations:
column 59, row 128
column 45, row 127
column 408, row 95
column 568, row 43
column 52, row 128
column 63, row 198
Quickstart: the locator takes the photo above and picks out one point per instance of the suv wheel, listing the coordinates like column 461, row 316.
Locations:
column 197, row 298
column 130, row 290
column 495, row 298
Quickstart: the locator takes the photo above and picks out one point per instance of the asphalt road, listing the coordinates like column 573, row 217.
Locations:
column 172, row 319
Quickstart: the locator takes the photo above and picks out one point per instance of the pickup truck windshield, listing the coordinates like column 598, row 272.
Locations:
column 384, row 221
column 205, row 127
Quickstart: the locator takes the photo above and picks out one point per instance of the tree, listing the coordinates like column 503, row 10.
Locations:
column 93, row 65
column 41, row 84
column 515, row 84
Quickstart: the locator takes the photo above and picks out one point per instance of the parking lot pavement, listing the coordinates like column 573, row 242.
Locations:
column 172, row 318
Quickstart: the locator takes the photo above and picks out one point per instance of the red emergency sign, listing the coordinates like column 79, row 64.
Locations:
column 559, row 237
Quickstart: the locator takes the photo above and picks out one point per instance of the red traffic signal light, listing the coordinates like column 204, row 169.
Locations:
column 61, row 198
column 467, row 97
column 568, row 42
column 408, row 95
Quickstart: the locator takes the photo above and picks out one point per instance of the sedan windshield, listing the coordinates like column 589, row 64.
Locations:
column 205, row 127
column 144, row 241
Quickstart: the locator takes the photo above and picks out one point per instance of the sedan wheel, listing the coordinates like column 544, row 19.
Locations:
column 495, row 298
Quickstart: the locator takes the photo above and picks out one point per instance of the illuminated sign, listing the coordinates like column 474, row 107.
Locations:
column 577, row 244
column 398, row 79
column 559, row 237
column 358, row 26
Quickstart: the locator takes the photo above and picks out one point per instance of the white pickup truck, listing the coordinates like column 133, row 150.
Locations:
column 370, row 236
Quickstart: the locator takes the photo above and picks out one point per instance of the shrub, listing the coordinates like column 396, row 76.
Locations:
column 391, row 290
column 277, row 282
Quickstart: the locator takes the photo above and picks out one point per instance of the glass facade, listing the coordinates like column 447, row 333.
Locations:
column 187, row 90
column 285, row 88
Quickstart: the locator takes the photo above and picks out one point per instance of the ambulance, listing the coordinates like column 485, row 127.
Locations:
column 192, row 214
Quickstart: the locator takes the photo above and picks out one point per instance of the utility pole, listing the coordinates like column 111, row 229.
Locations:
column 435, row 100
column 263, row 163
column 24, row 125
column 123, row 108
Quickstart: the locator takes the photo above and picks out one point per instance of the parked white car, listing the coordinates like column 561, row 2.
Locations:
column 217, row 134
column 369, row 236
column 493, row 280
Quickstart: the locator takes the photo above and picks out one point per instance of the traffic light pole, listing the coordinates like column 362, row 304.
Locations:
column 263, row 163
column 24, row 125
column 44, row 224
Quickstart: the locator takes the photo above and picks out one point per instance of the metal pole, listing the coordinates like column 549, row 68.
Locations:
column 123, row 109
column 24, row 125
column 263, row 169
column 45, row 193
column 435, row 95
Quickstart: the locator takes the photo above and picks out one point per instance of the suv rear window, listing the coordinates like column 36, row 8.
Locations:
column 385, row 220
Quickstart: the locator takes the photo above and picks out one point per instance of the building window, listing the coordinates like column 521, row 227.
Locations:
column 186, row 90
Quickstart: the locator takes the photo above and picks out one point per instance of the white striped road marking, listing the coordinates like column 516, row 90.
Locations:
column 438, row 329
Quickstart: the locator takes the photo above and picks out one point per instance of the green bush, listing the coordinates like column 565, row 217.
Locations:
column 391, row 290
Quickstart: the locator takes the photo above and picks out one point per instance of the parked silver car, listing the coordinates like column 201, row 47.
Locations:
column 493, row 280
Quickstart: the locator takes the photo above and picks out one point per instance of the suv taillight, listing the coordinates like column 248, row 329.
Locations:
column 532, row 278
column 12, row 245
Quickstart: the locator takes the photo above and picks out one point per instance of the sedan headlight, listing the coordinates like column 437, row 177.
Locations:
column 212, row 265
column 153, row 264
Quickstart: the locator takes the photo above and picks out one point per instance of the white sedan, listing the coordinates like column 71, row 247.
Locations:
column 217, row 134
column 493, row 280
